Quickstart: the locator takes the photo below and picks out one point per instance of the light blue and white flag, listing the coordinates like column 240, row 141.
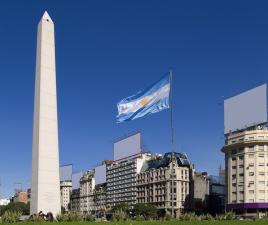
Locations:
column 152, row 100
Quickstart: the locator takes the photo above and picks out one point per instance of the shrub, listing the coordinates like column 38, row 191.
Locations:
column 120, row 215
column 230, row 215
column 35, row 218
column 11, row 217
column 69, row 217
column 139, row 218
column 167, row 217
column 74, row 216
column 89, row 217
column 188, row 216
column 206, row 217
column 220, row 217
column 62, row 217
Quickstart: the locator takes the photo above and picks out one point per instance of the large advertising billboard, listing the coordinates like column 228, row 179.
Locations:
column 246, row 109
column 100, row 174
column 66, row 172
column 127, row 147
column 76, row 179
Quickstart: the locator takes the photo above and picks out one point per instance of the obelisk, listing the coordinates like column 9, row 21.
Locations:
column 45, row 186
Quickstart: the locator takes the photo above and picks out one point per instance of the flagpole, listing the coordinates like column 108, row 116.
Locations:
column 172, row 140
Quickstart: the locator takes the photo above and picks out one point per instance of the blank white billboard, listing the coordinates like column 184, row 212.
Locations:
column 246, row 109
column 100, row 174
column 127, row 147
column 66, row 172
column 76, row 179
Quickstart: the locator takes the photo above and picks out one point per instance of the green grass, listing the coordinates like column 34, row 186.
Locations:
column 226, row 222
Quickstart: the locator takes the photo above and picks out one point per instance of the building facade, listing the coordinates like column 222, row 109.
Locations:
column 75, row 200
column 87, row 185
column 122, row 179
column 217, row 194
column 65, row 194
column 246, row 166
column 99, row 198
column 201, row 191
column 154, row 183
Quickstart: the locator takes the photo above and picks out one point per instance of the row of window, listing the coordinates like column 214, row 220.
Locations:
column 249, row 173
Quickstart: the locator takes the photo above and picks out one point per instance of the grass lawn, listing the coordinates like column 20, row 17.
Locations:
column 228, row 222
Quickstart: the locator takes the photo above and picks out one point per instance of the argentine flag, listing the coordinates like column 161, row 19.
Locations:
column 152, row 100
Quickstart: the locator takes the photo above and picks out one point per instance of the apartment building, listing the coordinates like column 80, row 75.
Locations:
column 99, row 198
column 200, row 194
column 65, row 194
column 75, row 200
column 246, row 166
column 154, row 183
column 122, row 179
column 87, row 185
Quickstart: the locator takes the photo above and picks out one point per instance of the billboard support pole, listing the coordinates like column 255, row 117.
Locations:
column 172, row 140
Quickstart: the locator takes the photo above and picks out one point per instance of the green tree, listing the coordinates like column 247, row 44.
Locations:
column 148, row 211
column 16, row 207
column 139, row 209
column 120, row 207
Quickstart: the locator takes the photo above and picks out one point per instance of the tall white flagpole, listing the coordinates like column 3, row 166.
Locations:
column 172, row 140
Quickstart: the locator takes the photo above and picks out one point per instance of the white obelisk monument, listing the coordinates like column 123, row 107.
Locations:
column 45, row 186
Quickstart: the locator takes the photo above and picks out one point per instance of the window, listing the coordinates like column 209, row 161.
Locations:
column 261, row 147
column 251, row 165
column 261, row 182
column 261, row 191
column 261, row 164
column 251, row 148
column 261, row 173
column 251, row 155
column 233, row 159
column 251, row 191
column 234, row 195
column 233, row 151
column 261, row 155
column 251, row 174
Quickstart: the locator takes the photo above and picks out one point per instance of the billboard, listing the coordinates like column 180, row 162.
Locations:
column 246, row 109
column 127, row 147
column 100, row 174
column 76, row 179
column 66, row 172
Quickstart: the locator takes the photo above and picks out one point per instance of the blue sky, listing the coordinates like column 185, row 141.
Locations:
column 107, row 50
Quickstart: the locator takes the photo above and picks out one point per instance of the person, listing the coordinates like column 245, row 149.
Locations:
column 41, row 214
column 50, row 217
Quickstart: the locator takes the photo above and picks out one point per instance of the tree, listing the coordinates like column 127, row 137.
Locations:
column 16, row 207
column 139, row 209
column 151, row 212
column 120, row 207
column 148, row 211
